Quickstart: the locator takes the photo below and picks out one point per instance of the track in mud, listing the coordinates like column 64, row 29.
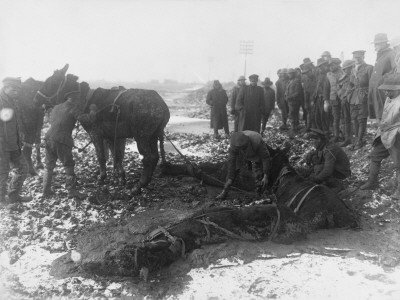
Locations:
column 344, row 264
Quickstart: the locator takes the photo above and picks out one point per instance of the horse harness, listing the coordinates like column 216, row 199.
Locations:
column 285, row 171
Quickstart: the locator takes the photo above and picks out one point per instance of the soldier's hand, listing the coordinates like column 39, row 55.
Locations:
column 264, row 181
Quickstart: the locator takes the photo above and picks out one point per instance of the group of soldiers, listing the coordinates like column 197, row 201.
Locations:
column 336, row 100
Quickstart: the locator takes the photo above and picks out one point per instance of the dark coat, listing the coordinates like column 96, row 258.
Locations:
column 360, row 79
column 269, row 98
column 217, row 99
column 235, row 93
column 250, row 104
column 280, row 91
column 294, row 91
column 385, row 63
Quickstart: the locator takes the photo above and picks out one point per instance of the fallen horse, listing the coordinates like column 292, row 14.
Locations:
column 151, row 240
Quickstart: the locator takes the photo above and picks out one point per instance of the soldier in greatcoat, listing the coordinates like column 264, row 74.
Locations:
column 395, row 43
column 359, row 101
column 308, row 80
column 269, row 98
column 251, row 106
column 11, row 136
column 384, row 64
column 320, row 110
column 387, row 139
column 217, row 99
column 241, row 82
column 331, row 95
column 345, row 92
column 59, row 144
column 293, row 95
column 280, row 97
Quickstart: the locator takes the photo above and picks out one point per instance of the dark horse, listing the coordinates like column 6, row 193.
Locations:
column 314, row 203
column 114, row 115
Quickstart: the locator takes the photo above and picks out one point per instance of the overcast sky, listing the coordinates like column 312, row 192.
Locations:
column 187, row 40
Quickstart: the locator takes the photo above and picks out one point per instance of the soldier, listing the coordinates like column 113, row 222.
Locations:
column 345, row 92
column 329, row 162
column 359, row 101
column 395, row 43
column 331, row 95
column 250, row 145
column 269, row 98
column 326, row 55
column 321, row 113
column 387, row 139
column 280, row 97
column 250, row 104
column 308, row 79
column 384, row 64
column 241, row 82
column 292, row 96
column 217, row 99
column 59, row 143
column 10, row 144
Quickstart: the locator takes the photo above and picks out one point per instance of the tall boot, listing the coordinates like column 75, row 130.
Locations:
column 396, row 194
column 361, row 132
column 70, row 184
column 355, row 130
column 47, row 177
column 372, row 183
column 27, row 153
column 347, row 133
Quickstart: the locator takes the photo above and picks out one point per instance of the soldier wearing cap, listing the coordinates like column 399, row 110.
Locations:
column 360, row 79
column 10, row 143
column 331, row 95
column 308, row 80
column 217, row 99
column 293, row 95
column 345, row 92
column 269, row 98
column 320, row 114
column 329, row 162
column 387, row 139
column 280, row 97
column 384, row 65
column 395, row 43
column 241, row 82
column 250, row 146
column 251, row 106
column 326, row 55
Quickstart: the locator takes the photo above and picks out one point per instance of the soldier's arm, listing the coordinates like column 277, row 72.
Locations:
column 264, row 156
column 329, row 167
column 232, row 157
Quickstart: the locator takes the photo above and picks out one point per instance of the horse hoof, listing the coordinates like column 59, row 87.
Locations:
column 137, row 190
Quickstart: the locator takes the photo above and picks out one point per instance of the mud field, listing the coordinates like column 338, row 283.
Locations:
column 360, row 263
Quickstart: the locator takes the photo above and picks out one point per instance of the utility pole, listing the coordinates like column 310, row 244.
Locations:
column 246, row 48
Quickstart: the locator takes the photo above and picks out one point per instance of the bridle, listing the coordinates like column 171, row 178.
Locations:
column 50, row 98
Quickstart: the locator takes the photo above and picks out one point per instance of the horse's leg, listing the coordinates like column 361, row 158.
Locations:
column 118, row 157
column 148, row 149
column 162, row 150
column 98, row 143
column 27, row 153
column 39, row 163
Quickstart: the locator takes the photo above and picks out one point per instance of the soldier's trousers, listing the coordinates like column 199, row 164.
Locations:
column 284, row 108
column 345, row 118
column 236, row 121
column 379, row 152
column 63, row 152
column 359, row 114
column 336, row 118
column 12, row 160
column 294, row 108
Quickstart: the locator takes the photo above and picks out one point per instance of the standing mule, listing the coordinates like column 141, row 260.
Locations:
column 113, row 116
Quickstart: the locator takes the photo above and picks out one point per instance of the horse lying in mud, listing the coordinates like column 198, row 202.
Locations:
column 316, row 204
column 151, row 240
column 113, row 115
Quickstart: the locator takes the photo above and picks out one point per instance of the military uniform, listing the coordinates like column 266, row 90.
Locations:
column 293, row 94
column 360, row 78
column 280, row 99
column 331, row 96
column 309, row 82
column 10, row 149
column 344, row 93
column 269, row 98
column 322, row 118
column 59, row 144
column 235, row 93
column 217, row 99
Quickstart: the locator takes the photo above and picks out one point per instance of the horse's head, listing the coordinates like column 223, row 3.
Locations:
column 47, row 94
column 279, row 159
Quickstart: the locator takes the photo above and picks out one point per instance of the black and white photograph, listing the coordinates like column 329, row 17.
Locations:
column 199, row 149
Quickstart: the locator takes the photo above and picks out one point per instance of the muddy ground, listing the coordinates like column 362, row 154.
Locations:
column 360, row 263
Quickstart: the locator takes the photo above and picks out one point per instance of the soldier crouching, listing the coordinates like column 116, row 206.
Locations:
column 59, row 143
